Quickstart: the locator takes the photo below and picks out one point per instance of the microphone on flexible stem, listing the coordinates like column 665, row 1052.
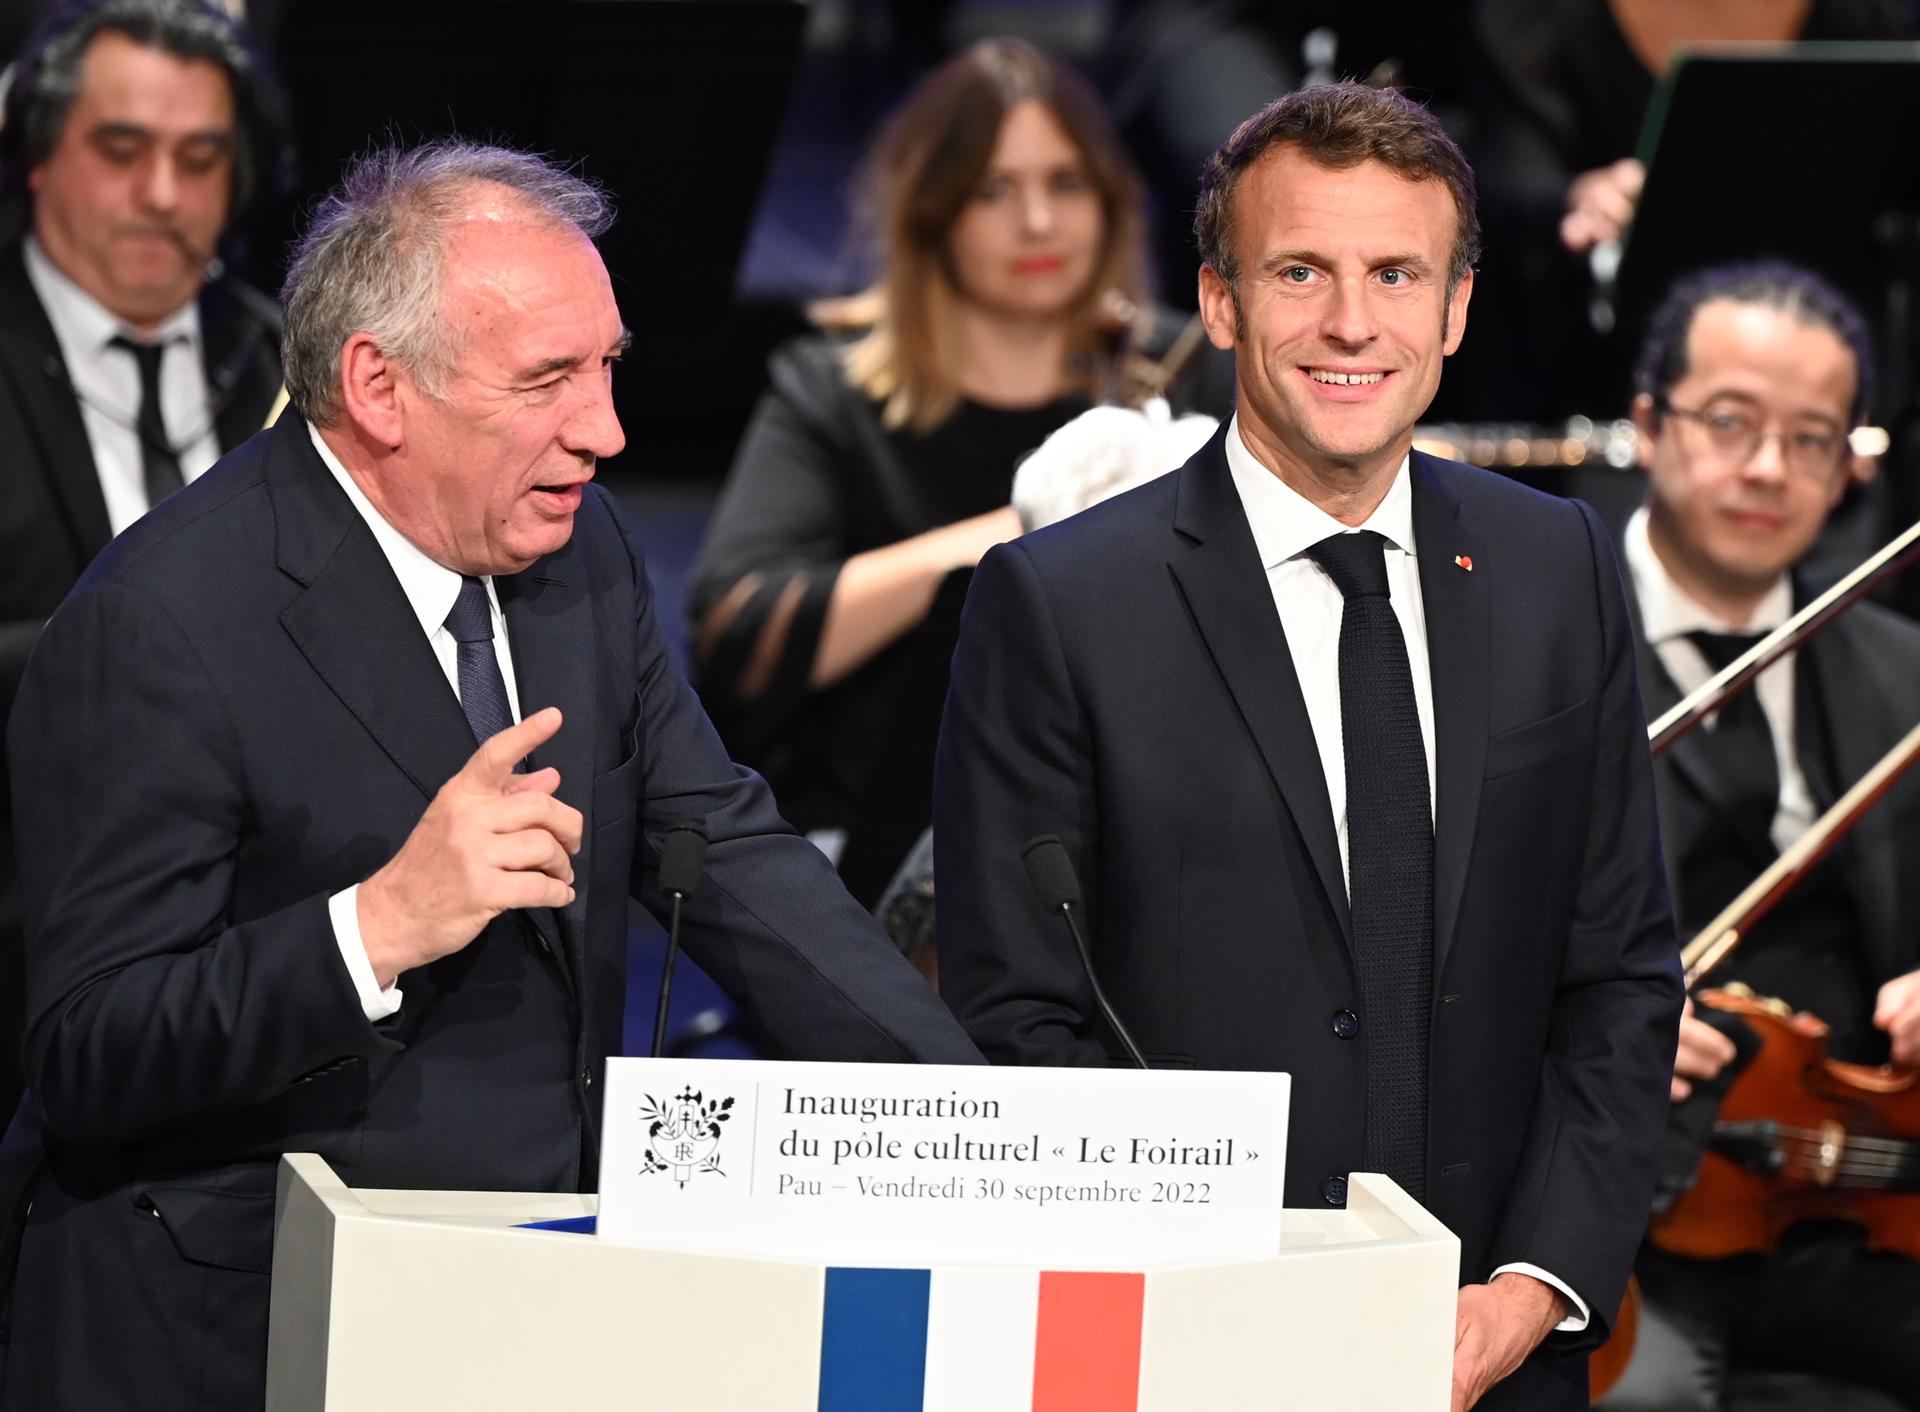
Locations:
column 682, row 855
column 1050, row 872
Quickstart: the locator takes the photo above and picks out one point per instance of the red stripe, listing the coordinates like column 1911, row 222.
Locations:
column 1086, row 1354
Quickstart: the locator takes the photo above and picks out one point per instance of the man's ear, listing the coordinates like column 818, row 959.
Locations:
column 1646, row 427
column 370, row 389
column 1454, row 322
column 1219, row 309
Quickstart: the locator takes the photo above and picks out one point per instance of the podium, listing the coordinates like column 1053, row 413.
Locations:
column 437, row 1299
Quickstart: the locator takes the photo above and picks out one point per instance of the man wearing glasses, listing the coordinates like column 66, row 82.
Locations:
column 1750, row 381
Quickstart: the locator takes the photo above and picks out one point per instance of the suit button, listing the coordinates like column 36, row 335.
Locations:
column 586, row 1078
column 1346, row 1024
column 1334, row 1189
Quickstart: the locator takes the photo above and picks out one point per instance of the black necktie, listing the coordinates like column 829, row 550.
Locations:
column 483, row 692
column 1389, row 855
column 159, row 463
column 1741, row 743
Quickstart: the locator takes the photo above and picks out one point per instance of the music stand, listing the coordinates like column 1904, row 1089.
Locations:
column 1801, row 152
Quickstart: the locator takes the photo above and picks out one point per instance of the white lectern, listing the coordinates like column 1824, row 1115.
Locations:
column 433, row 1299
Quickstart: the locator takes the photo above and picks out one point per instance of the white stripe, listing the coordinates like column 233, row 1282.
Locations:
column 980, row 1331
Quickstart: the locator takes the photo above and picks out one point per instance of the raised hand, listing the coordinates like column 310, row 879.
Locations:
column 490, row 841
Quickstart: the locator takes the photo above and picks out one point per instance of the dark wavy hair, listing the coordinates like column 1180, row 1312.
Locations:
column 1772, row 284
column 47, row 75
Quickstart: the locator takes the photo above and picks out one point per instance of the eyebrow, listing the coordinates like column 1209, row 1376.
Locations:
column 547, row 367
column 110, row 131
column 1282, row 259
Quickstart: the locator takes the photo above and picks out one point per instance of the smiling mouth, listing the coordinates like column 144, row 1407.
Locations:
column 1339, row 379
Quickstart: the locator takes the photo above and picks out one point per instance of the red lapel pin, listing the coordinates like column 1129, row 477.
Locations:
column 1465, row 561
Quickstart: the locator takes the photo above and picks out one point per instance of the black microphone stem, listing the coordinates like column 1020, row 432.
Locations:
column 666, row 977
column 1100, row 996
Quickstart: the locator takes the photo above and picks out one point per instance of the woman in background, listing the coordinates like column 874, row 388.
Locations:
column 825, row 602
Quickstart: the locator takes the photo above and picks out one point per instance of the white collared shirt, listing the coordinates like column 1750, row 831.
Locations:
column 1668, row 613
column 105, row 381
column 430, row 588
column 1285, row 525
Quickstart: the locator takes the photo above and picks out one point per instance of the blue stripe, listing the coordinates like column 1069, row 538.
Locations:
column 873, row 1340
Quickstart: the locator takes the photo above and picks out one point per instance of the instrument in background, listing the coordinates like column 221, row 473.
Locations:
column 1607, row 1364
column 1514, row 446
column 279, row 406
column 1133, row 376
column 1800, row 1136
column 1578, row 441
column 1797, row 1135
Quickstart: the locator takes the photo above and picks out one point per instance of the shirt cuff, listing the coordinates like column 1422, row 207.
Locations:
column 375, row 1003
column 1574, row 1322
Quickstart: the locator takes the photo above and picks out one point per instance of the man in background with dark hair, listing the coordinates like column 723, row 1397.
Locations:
column 1750, row 380
column 134, row 131
column 1371, row 808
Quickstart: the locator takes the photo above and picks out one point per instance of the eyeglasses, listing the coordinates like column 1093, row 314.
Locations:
column 1737, row 435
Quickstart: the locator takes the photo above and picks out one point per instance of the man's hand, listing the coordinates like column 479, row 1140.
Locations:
column 1704, row 1052
column 1898, row 1013
column 490, row 841
column 1600, row 204
column 1499, row 1324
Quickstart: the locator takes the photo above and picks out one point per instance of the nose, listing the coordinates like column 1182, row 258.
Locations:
column 593, row 430
column 1768, row 461
column 1349, row 320
column 160, row 184
column 1037, row 212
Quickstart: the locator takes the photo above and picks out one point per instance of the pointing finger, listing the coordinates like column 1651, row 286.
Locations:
column 491, row 766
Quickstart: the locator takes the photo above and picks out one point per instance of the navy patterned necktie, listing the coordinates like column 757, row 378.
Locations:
column 1389, row 855
column 159, row 462
column 483, row 692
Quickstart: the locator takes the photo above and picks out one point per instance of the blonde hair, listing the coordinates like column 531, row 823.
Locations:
column 917, row 179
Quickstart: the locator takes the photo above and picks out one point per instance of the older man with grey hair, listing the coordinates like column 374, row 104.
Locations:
column 340, row 769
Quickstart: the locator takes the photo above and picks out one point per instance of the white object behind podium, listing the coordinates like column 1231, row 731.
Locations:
column 429, row 1300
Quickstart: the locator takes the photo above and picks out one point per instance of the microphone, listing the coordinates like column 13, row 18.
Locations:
column 682, row 854
column 1050, row 873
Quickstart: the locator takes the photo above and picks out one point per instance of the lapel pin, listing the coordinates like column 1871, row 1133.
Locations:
column 1465, row 561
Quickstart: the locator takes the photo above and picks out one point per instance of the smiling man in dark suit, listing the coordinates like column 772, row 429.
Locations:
column 1345, row 744
column 276, row 898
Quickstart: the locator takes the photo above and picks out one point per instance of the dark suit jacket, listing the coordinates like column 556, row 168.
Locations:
column 1865, row 668
column 1123, row 681
column 53, row 519
column 236, row 715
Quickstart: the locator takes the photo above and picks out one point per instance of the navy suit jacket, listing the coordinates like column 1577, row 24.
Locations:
column 1123, row 681
column 233, row 717
column 53, row 517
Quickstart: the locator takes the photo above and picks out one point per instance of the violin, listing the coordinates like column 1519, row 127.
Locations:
column 1800, row 1136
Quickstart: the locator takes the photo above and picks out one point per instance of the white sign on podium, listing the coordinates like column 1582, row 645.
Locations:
column 1091, row 1169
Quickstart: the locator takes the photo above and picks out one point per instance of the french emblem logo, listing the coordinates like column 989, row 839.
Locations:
column 683, row 1134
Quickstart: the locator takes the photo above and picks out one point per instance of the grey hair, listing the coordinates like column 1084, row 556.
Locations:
column 372, row 259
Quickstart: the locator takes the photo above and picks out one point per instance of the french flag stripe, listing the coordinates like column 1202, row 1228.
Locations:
column 1087, row 1342
column 873, row 1340
column 980, row 1340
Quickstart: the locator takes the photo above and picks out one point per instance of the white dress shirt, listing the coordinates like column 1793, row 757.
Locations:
column 1668, row 613
column 1285, row 525
column 106, row 382
column 431, row 589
